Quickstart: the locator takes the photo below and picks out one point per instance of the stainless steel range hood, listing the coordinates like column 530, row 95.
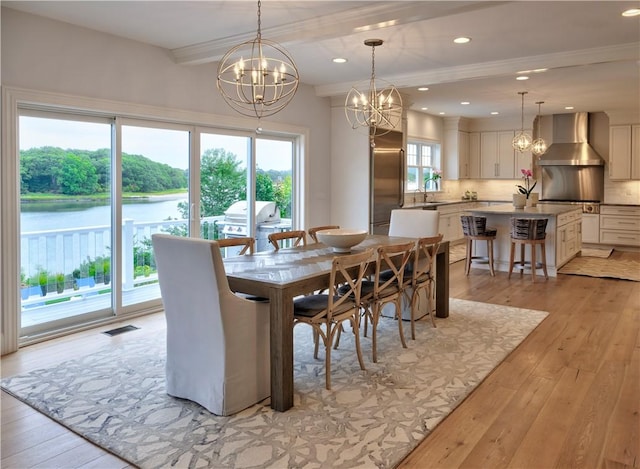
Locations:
column 570, row 145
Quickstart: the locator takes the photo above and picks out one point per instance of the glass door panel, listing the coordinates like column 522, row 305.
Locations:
column 274, row 183
column 65, row 229
column 224, row 210
column 155, row 199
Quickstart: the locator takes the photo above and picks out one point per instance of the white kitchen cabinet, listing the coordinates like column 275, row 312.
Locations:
column 568, row 236
column 620, row 225
column 474, row 155
column 463, row 155
column 624, row 152
column 590, row 228
column 450, row 224
column 497, row 157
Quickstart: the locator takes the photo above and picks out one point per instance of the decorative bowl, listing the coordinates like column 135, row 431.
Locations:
column 341, row 239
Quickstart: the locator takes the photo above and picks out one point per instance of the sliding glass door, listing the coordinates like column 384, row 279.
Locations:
column 65, row 212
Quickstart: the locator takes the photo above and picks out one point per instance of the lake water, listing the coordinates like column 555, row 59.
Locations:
column 41, row 216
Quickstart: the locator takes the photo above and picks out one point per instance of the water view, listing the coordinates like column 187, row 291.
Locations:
column 40, row 216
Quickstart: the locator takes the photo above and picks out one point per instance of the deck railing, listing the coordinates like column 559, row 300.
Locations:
column 61, row 252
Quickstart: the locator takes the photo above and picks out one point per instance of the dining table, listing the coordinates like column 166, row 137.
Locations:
column 287, row 273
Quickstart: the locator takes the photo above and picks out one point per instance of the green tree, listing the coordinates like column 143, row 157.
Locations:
column 264, row 187
column 282, row 196
column 222, row 182
column 77, row 176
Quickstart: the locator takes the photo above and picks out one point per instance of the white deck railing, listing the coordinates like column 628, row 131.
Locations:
column 63, row 251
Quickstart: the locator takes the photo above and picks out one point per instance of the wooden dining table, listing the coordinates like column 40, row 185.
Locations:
column 284, row 274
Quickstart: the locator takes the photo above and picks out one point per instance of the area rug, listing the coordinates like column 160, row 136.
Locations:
column 596, row 252
column 623, row 269
column 370, row 419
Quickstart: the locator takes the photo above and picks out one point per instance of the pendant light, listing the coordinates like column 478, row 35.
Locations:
column 522, row 141
column 257, row 78
column 379, row 111
column 539, row 146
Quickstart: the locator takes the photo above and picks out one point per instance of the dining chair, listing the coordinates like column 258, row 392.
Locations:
column 423, row 277
column 247, row 244
column 378, row 292
column 218, row 352
column 312, row 231
column 325, row 313
column 296, row 237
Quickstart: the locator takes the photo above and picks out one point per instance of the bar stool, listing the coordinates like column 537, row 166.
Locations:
column 529, row 231
column 475, row 229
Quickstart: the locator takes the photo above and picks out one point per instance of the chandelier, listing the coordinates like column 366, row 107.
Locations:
column 538, row 146
column 379, row 111
column 522, row 141
column 257, row 78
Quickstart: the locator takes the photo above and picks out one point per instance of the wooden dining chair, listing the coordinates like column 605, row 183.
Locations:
column 423, row 277
column 296, row 237
column 378, row 292
column 312, row 231
column 325, row 313
column 247, row 244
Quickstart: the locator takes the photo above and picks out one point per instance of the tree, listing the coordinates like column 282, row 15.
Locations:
column 222, row 183
column 77, row 176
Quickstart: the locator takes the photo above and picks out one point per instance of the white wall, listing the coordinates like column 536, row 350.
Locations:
column 47, row 55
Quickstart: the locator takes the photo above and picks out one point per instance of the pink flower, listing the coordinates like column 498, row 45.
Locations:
column 526, row 173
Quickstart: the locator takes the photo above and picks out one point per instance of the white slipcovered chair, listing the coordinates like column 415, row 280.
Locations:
column 414, row 223
column 217, row 343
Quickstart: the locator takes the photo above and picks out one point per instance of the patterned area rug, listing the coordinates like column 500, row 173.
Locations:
column 596, row 252
column 623, row 269
column 374, row 418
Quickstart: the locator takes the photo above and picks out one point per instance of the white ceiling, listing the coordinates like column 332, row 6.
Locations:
column 591, row 51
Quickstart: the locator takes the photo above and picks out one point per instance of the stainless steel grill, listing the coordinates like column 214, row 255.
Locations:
column 268, row 221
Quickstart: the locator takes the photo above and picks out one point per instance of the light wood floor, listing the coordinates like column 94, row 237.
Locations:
column 568, row 396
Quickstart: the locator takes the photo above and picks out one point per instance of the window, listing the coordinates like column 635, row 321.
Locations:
column 423, row 161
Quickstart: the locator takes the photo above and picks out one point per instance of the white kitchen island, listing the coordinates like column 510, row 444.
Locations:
column 563, row 240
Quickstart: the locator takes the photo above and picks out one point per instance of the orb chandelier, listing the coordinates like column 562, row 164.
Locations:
column 257, row 78
column 379, row 111
column 522, row 141
column 538, row 146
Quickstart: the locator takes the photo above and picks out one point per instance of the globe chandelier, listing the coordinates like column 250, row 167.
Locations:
column 379, row 111
column 522, row 141
column 257, row 78
column 538, row 146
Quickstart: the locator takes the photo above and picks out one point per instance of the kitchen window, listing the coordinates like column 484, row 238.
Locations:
column 423, row 161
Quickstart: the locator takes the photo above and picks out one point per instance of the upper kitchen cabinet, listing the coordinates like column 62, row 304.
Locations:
column 457, row 152
column 497, row 156
column 624, row 152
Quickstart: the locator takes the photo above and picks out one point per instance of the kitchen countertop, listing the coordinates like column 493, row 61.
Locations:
column 548, row 210
column 438, row 203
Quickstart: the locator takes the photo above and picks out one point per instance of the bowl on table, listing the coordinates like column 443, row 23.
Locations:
column 341, row 239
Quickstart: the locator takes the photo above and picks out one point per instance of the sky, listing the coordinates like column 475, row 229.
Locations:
column 161, row 145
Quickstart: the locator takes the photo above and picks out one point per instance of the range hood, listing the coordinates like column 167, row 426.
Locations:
column 570, row 145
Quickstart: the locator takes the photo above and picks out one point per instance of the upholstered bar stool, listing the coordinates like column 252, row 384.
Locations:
column 532, row 232
column 475, row 229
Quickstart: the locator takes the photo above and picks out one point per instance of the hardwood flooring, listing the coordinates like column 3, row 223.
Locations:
column 568, row 396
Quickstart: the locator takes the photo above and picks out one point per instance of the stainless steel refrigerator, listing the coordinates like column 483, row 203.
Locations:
column 387, row 172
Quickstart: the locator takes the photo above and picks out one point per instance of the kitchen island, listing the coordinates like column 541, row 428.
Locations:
column 563, row 240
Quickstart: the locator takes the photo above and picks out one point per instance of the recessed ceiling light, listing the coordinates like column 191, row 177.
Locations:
column 540, row 70
column 494, row 113
column 423, row 88
column 522, row 77
column 568, row 108
column 464, row 103
column 462, row 40
column 631, row 12
column 424, row 108
column 339, row 60
column 441, row 113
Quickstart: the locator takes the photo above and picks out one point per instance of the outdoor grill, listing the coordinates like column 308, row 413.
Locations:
column 268, row 221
